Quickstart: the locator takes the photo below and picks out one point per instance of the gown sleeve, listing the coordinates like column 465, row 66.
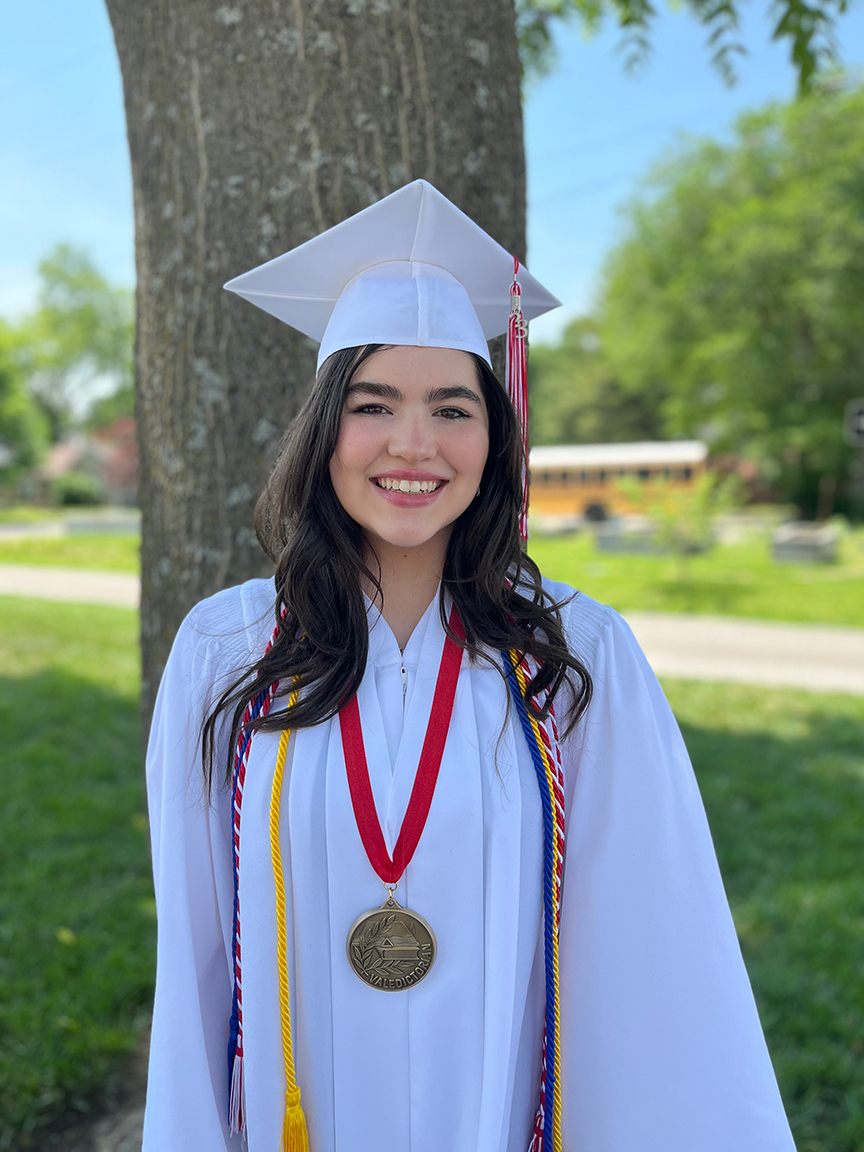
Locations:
column 662, row 1049
column 187, row 1093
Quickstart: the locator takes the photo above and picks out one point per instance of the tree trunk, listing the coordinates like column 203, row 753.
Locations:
column 253, row 125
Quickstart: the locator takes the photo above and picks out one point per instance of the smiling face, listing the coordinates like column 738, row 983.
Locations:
column 413, row 442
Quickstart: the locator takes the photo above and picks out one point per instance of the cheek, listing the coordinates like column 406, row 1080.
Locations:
column 355, row 448
column 469, row 453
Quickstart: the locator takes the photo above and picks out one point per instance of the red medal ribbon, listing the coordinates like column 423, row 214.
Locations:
column 357, row 768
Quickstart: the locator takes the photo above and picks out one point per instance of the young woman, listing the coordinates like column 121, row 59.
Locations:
column 445, row 881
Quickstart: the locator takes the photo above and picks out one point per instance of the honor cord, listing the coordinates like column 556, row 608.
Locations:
column 295, row 1137
column 545, row 754
column 257, row 707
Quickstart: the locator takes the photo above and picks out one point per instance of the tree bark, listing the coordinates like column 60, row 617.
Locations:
column 253, row 125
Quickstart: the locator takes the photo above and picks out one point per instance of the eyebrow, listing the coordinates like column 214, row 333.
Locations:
column 373, row 388
column 433, row 396
column 452, row 392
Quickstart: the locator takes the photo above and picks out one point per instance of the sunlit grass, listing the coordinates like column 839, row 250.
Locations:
column 117, row 552
column 731, row 579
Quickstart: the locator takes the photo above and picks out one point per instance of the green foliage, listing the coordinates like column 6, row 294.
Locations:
column 738, row 297
column 782, row 776
column 23, row 431
column 82, row 329
column 107, row 409
column 682, row 516
column 77, row 488
column 76, row 907
column 807, row 27
column 576, row 397
column 731, row 579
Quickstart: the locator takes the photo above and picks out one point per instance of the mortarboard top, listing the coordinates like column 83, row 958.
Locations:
column 410, row 269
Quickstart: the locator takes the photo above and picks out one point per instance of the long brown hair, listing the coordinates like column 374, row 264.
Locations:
column 322, row 642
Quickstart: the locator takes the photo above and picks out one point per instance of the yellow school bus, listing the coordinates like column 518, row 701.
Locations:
column 583, row 479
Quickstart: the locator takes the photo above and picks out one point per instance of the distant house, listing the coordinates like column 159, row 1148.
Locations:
column 109, row 454
column 583, row 479
column 117, row 448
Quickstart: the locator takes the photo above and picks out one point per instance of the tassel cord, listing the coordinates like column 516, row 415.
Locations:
column 295, row 1137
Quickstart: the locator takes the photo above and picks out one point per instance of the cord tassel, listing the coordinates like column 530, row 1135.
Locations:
column 295, row 1137
column 517, row 382
column 236, row 1119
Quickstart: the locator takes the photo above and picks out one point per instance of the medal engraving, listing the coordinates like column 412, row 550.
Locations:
column 391, row 948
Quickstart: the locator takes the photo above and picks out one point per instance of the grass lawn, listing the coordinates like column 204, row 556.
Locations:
column 76, row 908
column 731, row 579
column 782, row 774
column 26, row 514
column 108, row 551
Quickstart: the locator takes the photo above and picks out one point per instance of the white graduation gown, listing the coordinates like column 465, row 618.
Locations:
column 662, row 1050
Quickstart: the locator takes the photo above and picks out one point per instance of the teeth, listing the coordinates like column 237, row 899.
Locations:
column 391, row 485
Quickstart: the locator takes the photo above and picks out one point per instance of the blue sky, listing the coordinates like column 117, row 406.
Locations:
column 591, row 131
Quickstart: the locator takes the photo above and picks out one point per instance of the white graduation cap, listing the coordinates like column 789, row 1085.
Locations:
column 411, row 269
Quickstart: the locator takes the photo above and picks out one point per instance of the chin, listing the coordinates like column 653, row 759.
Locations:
column 406, row 539
column 405, row 535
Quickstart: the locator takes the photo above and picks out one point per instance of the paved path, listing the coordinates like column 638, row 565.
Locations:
column 74, row 585
column 819, row 657
column 823, row 658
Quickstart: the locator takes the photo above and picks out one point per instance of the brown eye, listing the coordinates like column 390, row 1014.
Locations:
column 368, row 410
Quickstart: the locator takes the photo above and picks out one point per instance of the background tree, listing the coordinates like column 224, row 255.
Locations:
column 577, row 398
column 738, row 296
column 80, row 336
column 254, row 125
column 23, row 428
column 806, row 27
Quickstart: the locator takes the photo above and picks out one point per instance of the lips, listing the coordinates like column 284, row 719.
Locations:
column 409, row 489
column 390, row 484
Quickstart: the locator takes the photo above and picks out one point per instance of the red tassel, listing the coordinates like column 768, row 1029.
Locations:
column 517, row 381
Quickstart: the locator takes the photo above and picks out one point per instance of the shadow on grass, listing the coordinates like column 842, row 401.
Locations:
column 786, row 809
column 76, row 907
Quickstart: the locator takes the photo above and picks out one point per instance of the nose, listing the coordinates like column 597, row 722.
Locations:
column 412, row 438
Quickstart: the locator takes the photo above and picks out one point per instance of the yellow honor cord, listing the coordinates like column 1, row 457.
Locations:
column 295, row 1137
column 550, row 779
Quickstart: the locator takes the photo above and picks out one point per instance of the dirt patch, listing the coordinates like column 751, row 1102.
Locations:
column 118, row 1125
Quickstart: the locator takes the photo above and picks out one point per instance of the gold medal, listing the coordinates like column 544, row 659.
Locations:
column 391, row 948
